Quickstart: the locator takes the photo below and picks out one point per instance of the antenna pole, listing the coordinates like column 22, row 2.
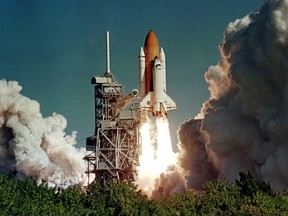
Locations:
column 107, row 54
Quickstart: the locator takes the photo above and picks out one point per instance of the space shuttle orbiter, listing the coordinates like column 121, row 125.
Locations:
column 152, row 78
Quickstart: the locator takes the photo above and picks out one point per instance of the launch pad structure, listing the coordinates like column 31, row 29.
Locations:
column 115, row 146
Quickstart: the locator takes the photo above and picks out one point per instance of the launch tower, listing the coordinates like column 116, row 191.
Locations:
column 115, row 144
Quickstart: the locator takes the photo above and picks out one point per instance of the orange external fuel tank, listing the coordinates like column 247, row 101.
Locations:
column 151, row 50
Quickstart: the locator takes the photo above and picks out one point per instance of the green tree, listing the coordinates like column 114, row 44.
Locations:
column 249, row 186
column 219, row 198
column 184, row 204
column 245, row 197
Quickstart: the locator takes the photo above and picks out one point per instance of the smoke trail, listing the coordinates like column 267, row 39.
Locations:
column 244, row 124
column 33, row 146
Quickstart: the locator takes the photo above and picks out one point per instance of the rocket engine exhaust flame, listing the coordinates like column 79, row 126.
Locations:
column 157, row 153
column 243, row 126
column 36, row 147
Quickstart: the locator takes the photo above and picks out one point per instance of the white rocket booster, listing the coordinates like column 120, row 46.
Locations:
column 142, row 80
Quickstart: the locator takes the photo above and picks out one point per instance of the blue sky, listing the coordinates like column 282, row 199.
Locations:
column 53, row 48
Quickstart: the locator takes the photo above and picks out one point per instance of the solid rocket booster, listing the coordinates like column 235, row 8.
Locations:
column 152, row 78
column 142, row 78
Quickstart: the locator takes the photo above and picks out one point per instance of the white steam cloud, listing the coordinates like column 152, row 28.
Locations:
column 244, row 124
column 35, row 147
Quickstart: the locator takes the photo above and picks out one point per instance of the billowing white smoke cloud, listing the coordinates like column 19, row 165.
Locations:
column 244, row 124
column 33, row 146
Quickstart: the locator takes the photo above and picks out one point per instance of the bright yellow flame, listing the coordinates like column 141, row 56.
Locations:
column 157, row 153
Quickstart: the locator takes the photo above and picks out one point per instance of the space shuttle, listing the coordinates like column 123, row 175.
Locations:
column 152, row 78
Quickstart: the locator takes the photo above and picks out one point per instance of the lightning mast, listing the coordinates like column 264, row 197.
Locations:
column 107, row 53
column 115, row 144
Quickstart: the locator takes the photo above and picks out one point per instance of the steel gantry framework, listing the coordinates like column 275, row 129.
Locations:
column 115, row 145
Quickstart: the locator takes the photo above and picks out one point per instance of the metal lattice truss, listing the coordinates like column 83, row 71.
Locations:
column 116, row 152
column 115, row 144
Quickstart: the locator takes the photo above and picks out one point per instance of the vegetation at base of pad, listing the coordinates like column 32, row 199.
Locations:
column 246, row 196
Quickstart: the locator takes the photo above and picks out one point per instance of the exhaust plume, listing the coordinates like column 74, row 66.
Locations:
column 244, row 124
column 157, row 155
column 33, row 146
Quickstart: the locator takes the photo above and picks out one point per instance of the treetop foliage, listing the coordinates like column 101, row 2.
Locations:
column 246, row 196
